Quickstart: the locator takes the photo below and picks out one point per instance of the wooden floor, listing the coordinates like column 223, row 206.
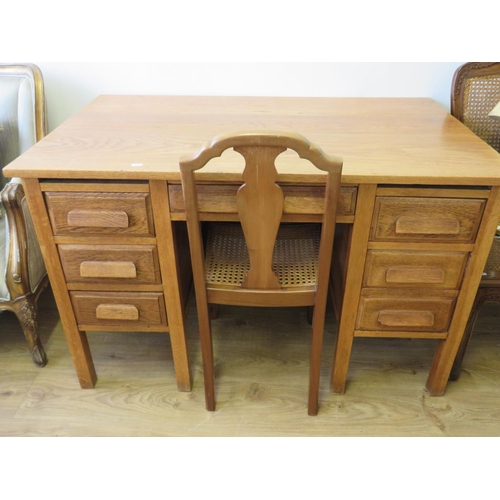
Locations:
column 261, row 383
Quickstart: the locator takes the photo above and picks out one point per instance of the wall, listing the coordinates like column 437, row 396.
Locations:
column 70, row 86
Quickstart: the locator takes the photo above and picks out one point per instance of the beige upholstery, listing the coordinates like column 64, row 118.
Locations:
column 22, row 270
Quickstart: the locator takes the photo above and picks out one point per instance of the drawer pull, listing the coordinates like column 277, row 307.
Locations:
column 411, row 274
column 107, row 269
column 120, row 312
column 422, row 225
column 98, row 218
column 406, row 318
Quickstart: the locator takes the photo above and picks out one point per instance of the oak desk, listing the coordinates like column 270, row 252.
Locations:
column 419, row 208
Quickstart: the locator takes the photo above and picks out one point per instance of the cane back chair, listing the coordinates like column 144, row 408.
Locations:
column 22, row 271
column 260, row 261
column 475, row 92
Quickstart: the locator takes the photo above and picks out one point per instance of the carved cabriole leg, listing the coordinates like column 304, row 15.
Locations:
column 27, row 313
column 483, row 295
column 22, row 300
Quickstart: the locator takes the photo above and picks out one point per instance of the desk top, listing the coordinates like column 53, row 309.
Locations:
column 382, row 140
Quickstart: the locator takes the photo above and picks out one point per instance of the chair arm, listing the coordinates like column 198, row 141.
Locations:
column 17, row 272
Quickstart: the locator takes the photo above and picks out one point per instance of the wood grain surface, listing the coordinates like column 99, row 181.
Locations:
column 393, row 140
column 261, row 383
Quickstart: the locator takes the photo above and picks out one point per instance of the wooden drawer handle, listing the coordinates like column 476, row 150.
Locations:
column 98, row 218
column 121, row 312
column 107, row 269
column 406, row 318
column 423, row 225
column 414, row 274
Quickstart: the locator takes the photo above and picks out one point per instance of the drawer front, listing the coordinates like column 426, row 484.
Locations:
column 298, row 199
column 451, row 220
column 407, row 268
column 122, row 309
column 410, row 312
column 100, row 213
column 111, row 264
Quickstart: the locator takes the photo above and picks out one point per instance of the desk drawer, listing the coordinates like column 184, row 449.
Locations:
column 111, row 264
column 451, row 220
column 119, row 309
column 221, row 199
column 411, row 311
column 408, row 268
column 100, row 213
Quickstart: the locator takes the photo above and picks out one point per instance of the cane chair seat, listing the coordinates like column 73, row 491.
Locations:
column 295, row 257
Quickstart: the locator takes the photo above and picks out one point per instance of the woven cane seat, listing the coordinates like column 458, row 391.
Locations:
column 295, row 257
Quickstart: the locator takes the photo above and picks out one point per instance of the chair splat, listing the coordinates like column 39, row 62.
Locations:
column 260, row 203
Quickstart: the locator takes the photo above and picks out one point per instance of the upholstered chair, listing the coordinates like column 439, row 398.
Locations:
column 22, row 271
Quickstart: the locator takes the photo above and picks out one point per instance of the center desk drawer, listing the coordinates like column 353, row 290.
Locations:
column 454, row 220
column 119, row 309
column 100, row 213
column 111, row 264
column 213, row 198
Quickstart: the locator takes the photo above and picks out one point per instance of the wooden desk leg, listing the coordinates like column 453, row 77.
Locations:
column 77, row 340
column 354, row 281
column 448, row 348
column 171, row 282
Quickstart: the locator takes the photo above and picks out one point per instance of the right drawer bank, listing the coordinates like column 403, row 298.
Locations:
column 420, row 243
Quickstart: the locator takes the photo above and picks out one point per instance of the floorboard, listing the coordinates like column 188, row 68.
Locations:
column 261, row 382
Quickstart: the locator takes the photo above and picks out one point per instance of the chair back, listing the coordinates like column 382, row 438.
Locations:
column 260, row 200
column 22, row 111
column 475, row 92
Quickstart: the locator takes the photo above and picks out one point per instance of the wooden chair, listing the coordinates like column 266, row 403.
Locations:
column 22, row 271
column 475, row 92
column 259, row 261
